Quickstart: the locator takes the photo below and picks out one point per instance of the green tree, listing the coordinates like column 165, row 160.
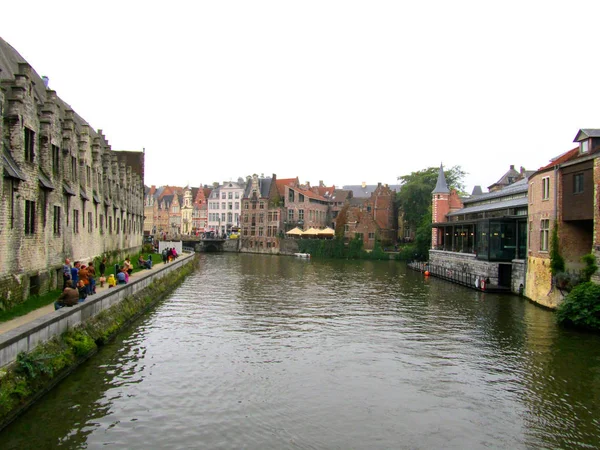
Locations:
column 414, row 198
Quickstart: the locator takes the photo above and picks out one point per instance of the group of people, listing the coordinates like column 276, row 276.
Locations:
column 79, row 281
column 169, row 254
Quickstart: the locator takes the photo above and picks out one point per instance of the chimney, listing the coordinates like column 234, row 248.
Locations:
column 522, row 171
column 364, row 185
column 512, row 167
column 46, row 81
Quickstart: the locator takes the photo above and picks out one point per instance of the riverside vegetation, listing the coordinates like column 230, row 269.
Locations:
column 34, row 373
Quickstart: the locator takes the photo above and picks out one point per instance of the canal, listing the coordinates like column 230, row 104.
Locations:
column 266, row 352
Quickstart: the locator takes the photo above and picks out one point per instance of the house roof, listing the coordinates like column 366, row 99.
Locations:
column 508, row 178
column 560, row 159
column 586, row 133
column 502, row 204
column 282, row 182
column 517, row 187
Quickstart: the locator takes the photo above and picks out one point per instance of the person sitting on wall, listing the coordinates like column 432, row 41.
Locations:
column 83, row 290
column 128, row 266
column 149, row 262
column 122, row 276
column 142, row 262
column 68, row 297
column 84, row 277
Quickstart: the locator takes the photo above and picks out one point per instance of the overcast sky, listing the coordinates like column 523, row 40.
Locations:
column 339, row 91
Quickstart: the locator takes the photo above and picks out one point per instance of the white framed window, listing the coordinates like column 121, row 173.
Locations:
column 545, row 188
column 544, row 234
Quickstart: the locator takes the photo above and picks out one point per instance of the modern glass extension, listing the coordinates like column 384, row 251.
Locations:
column 495, row 239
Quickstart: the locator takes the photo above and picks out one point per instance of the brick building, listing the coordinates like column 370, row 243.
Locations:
column 563, row 193
column 262, row 215
column 373, row 218
column 65, row 192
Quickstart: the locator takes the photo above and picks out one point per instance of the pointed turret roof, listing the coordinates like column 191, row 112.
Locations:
column 441, row 186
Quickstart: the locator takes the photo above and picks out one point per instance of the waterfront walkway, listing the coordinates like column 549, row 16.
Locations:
column 31, row 316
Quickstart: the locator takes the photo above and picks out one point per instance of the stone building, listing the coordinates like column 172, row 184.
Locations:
column 65, row 192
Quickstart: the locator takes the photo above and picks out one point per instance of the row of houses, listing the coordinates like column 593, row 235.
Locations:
column 504, row 235
column 65, row 193
column 263, row 209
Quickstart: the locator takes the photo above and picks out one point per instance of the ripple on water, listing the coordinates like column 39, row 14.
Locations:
column 263, row 352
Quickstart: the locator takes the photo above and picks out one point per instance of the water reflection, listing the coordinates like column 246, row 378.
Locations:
column 272, row 352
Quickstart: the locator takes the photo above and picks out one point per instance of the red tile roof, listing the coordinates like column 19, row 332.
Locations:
column 567, row 156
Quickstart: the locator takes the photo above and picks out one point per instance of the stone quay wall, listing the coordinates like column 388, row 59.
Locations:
column 26, row 337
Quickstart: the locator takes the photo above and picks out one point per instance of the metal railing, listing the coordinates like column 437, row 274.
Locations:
column 456, row 276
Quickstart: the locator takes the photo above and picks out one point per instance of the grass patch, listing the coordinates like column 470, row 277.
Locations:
column 31, row 304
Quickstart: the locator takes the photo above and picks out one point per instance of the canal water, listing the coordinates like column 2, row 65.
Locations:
column 266, row 352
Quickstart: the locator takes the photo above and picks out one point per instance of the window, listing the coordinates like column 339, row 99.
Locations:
column 29, row 144
column 260, row 231
column 237, row 205
column 578, row 183
column 223, row 195
column 229, row 217
column 291, row 195
column 222, row 205
column 230, row 205
column 290, row 214
column 29, row 217
column 545, row 188
column 75, row 221
column 101, row 223
column 261, row 218
column 118, row 225
column 262, row 205
column 110, row 224
column 223, row 217
column 301, row 198
column 55, row 159
column 346, row 228
column 230, row 195
column 371, row 236
column 544, row 234
column 73, row 168
column 88, row 177
column 358, row 236
column 90, row 223
column 300, row 214
column 237, row 195
column 56, row 227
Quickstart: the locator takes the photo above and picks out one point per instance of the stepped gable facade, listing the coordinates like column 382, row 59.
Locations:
column 261, row 219
column 65, row 192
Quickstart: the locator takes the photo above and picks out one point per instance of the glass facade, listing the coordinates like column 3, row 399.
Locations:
column 489, row 239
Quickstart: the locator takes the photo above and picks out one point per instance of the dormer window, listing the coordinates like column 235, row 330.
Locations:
column 584, row 146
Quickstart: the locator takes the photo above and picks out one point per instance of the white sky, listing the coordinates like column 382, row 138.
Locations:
column 339, row 91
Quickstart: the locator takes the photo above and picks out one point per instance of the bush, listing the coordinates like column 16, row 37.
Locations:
column 581, row 307
column 590, row 266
